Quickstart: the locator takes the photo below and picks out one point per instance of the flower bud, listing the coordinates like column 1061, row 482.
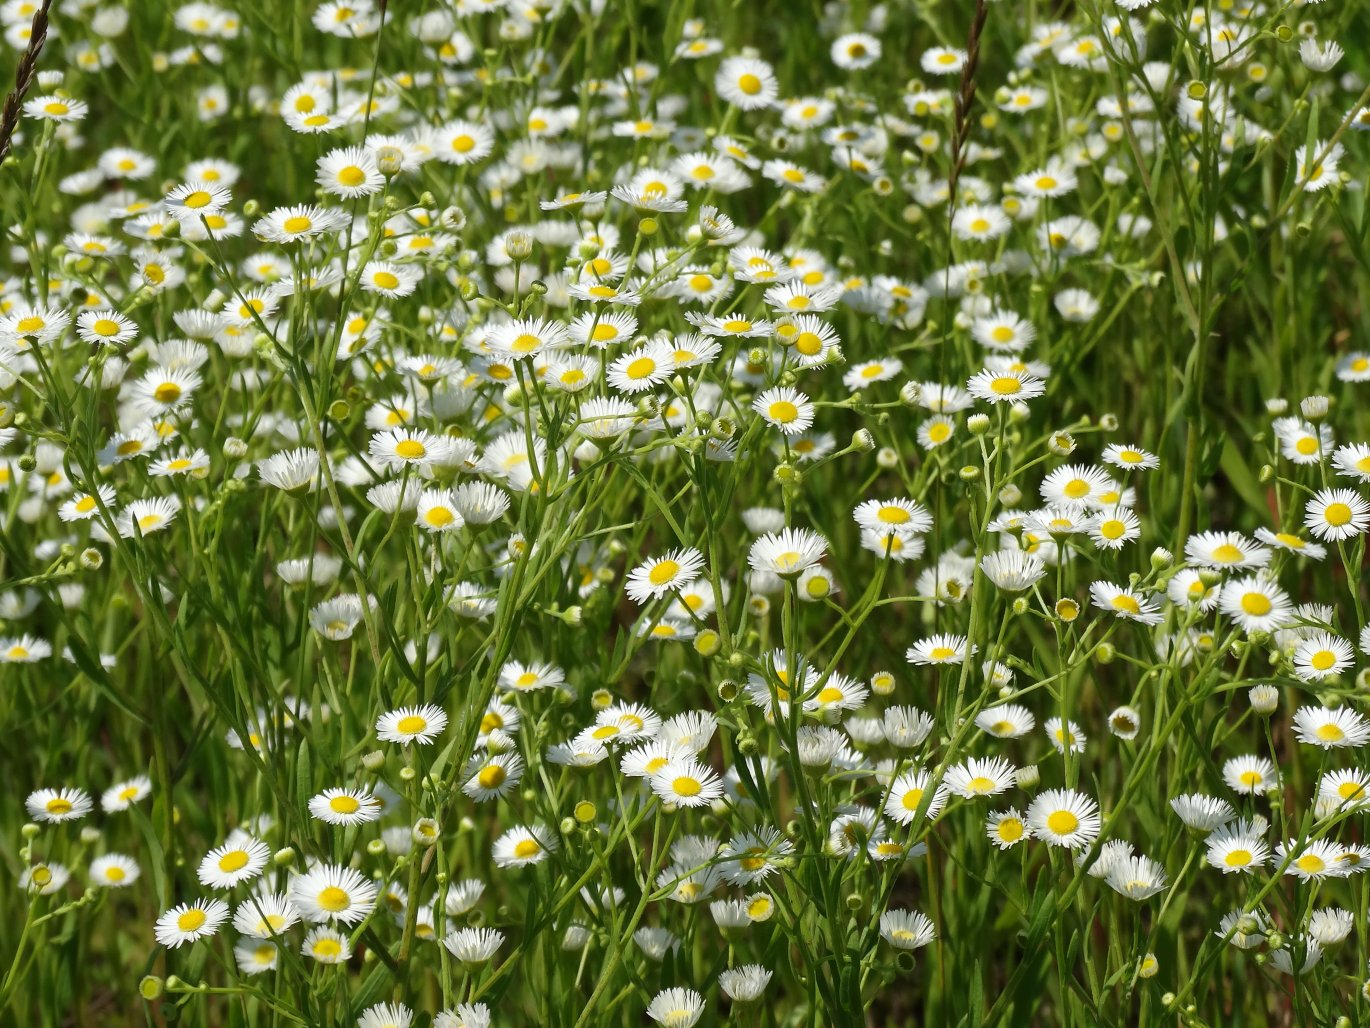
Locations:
column 1062, row 444
column 886, row 457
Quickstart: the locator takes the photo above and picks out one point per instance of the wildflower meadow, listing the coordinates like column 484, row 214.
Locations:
column 588, row 513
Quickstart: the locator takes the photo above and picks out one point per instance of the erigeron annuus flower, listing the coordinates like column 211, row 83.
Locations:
column 188, row 922
column 687, row 784
column 979, row 777
column 1336, row 514
column 491, row 776
column 909, row 792
column 1063, row 817
column 265, row 914
column 1250, row 774
column 906, row 929
column 1012, row 570
column 333, row 892
column 1006, row 828
column 338, row 806
column 55, row 108
column 1004, row 387
column 57, row 805
column 1007, row 721
column 123, row 795
column 1348, row 789
column 349, row 172
column 658, row 576
column 746, row 83
column 787, row 552
column 786, row 409
column 1125, row 603
column 1311, row 860
column 519, row 847
column 1255, row 603
column 1329, row 728
column 1322, row 656
column 939, row 649
column 299, row 223
column 326, row 945
column 84, row 506
column 191, row 201
column 238, row 860
column 1202, row 813
column 114, row 871
column 105, row 327
column 422, row 725
column 411, row 447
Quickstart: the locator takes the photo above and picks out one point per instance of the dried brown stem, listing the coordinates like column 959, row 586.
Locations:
column 24, row 75
column 965, row 97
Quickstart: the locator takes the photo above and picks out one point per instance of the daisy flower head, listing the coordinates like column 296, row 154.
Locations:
column 1331, row 728
column 1322, row 656
column 941, row 60
column 979, row 777
column 123, row 795
column 300, row 223
column 1255, row 603
column 191, row 201
column 786, row 409
column 687, row 784
column 1125, row 603
column 114, row 871
column 413, row 447
column 676, row 1008
column 55, row 108
column 238, row 860
column 1004, row 387
column 938, row 649
column 1250, row 774
column 1313, row 860
column 1063, row 817
column 521, row 846
column 907, row 929
column 339, row 806
column 105, row 327
column 1130, row 458
column 1225, row 551
column 57, row 805
column 746, row 83
column 349, row 172
column 1013, row 570
column 1237, row 850
column 188, row 922
column 264, row 914
column 1336, row 514
column 909, row 793
column 855, row 50
column 333, row 892
column 420, row 725
column 1006, row 828
column 492, row 776
column 900, row 514
column 788, row 552
column 658, row 576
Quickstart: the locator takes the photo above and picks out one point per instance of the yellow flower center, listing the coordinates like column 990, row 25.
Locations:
column 191, row 920
column 1337, row 514
column 334, row 899
column 1062, row 822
